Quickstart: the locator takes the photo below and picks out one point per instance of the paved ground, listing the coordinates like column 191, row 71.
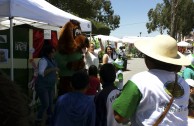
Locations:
column 134, row 66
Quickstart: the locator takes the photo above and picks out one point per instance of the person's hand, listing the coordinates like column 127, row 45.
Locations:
column 56, row 69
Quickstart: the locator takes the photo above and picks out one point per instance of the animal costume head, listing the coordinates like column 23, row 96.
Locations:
column 71, row 39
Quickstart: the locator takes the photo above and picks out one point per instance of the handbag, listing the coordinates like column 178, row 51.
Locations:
column 159, row 120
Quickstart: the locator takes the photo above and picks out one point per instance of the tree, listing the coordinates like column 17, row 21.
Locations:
column 95, row 10
column 157, row 19
column 176, row 16
column 106, row 15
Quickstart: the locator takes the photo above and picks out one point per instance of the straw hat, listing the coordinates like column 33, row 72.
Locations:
column 163, row 48
column 118, row 63
column 190, row 82
column 191, row 58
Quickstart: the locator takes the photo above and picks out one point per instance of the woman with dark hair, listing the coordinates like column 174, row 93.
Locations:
column 108, row 56
column 45, row 83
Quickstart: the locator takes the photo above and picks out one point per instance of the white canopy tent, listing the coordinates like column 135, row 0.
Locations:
column 107, row 38
column 37, row 13
column 132, row 39
column 184, row 44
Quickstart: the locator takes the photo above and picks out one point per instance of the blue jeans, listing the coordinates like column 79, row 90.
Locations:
column 46, row 100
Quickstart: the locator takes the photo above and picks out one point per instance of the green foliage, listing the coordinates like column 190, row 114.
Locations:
column 157, row 19
column 96, row 10
column 160, row 18
column 100, row 28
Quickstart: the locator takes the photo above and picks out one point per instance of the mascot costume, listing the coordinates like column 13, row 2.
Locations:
column 70, row 54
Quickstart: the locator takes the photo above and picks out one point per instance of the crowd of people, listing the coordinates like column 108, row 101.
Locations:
column 162, row 95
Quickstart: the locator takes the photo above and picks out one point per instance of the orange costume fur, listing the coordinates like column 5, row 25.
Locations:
column 71, row 41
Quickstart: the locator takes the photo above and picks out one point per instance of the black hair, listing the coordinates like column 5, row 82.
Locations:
column 93, row 70
column 46, row 50
column 111, row 49
column 156, row 64
column 80, row 79
column 14, row 108
column 107, row 73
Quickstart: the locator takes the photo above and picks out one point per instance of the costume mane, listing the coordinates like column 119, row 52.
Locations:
column 67, row 43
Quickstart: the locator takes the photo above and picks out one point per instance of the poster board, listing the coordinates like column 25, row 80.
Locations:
column 3, row 56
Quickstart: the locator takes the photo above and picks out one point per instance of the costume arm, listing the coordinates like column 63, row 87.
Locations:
column 124, row 110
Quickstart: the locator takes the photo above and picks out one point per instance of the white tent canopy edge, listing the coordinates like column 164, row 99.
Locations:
column 35, row 12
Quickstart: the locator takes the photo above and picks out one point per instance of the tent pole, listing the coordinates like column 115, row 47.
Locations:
column 11, row 48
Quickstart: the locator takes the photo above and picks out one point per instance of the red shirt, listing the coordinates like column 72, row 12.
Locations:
column 94, row 85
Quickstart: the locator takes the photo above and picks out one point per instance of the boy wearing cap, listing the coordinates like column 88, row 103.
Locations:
column 146, row 96
column 118, row 63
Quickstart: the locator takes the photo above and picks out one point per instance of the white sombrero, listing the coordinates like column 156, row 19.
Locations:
column 163, row 48
column 190, row 82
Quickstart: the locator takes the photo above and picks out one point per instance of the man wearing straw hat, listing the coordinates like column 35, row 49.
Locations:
column 157, row 96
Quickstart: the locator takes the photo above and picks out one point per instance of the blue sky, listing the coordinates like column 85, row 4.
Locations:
column 133, row 14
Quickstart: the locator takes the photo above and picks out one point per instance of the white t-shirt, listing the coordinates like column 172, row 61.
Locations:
column 110, row 60
column 42, row 66
column 152, row 84
column 91, row 59
column 110, row 114
column 190, row 121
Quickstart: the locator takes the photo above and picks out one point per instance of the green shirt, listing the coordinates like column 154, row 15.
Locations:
column 62, row 61
column 188, row 73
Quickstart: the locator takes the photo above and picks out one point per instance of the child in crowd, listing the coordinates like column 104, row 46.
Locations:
column 104, row 100
column 118, row 63
column 75, row 108
column 94, row 82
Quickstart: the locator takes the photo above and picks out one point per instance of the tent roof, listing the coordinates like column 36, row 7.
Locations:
column 107, row 38
column 184, row 44
column 38, row 13
column 133, row 39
